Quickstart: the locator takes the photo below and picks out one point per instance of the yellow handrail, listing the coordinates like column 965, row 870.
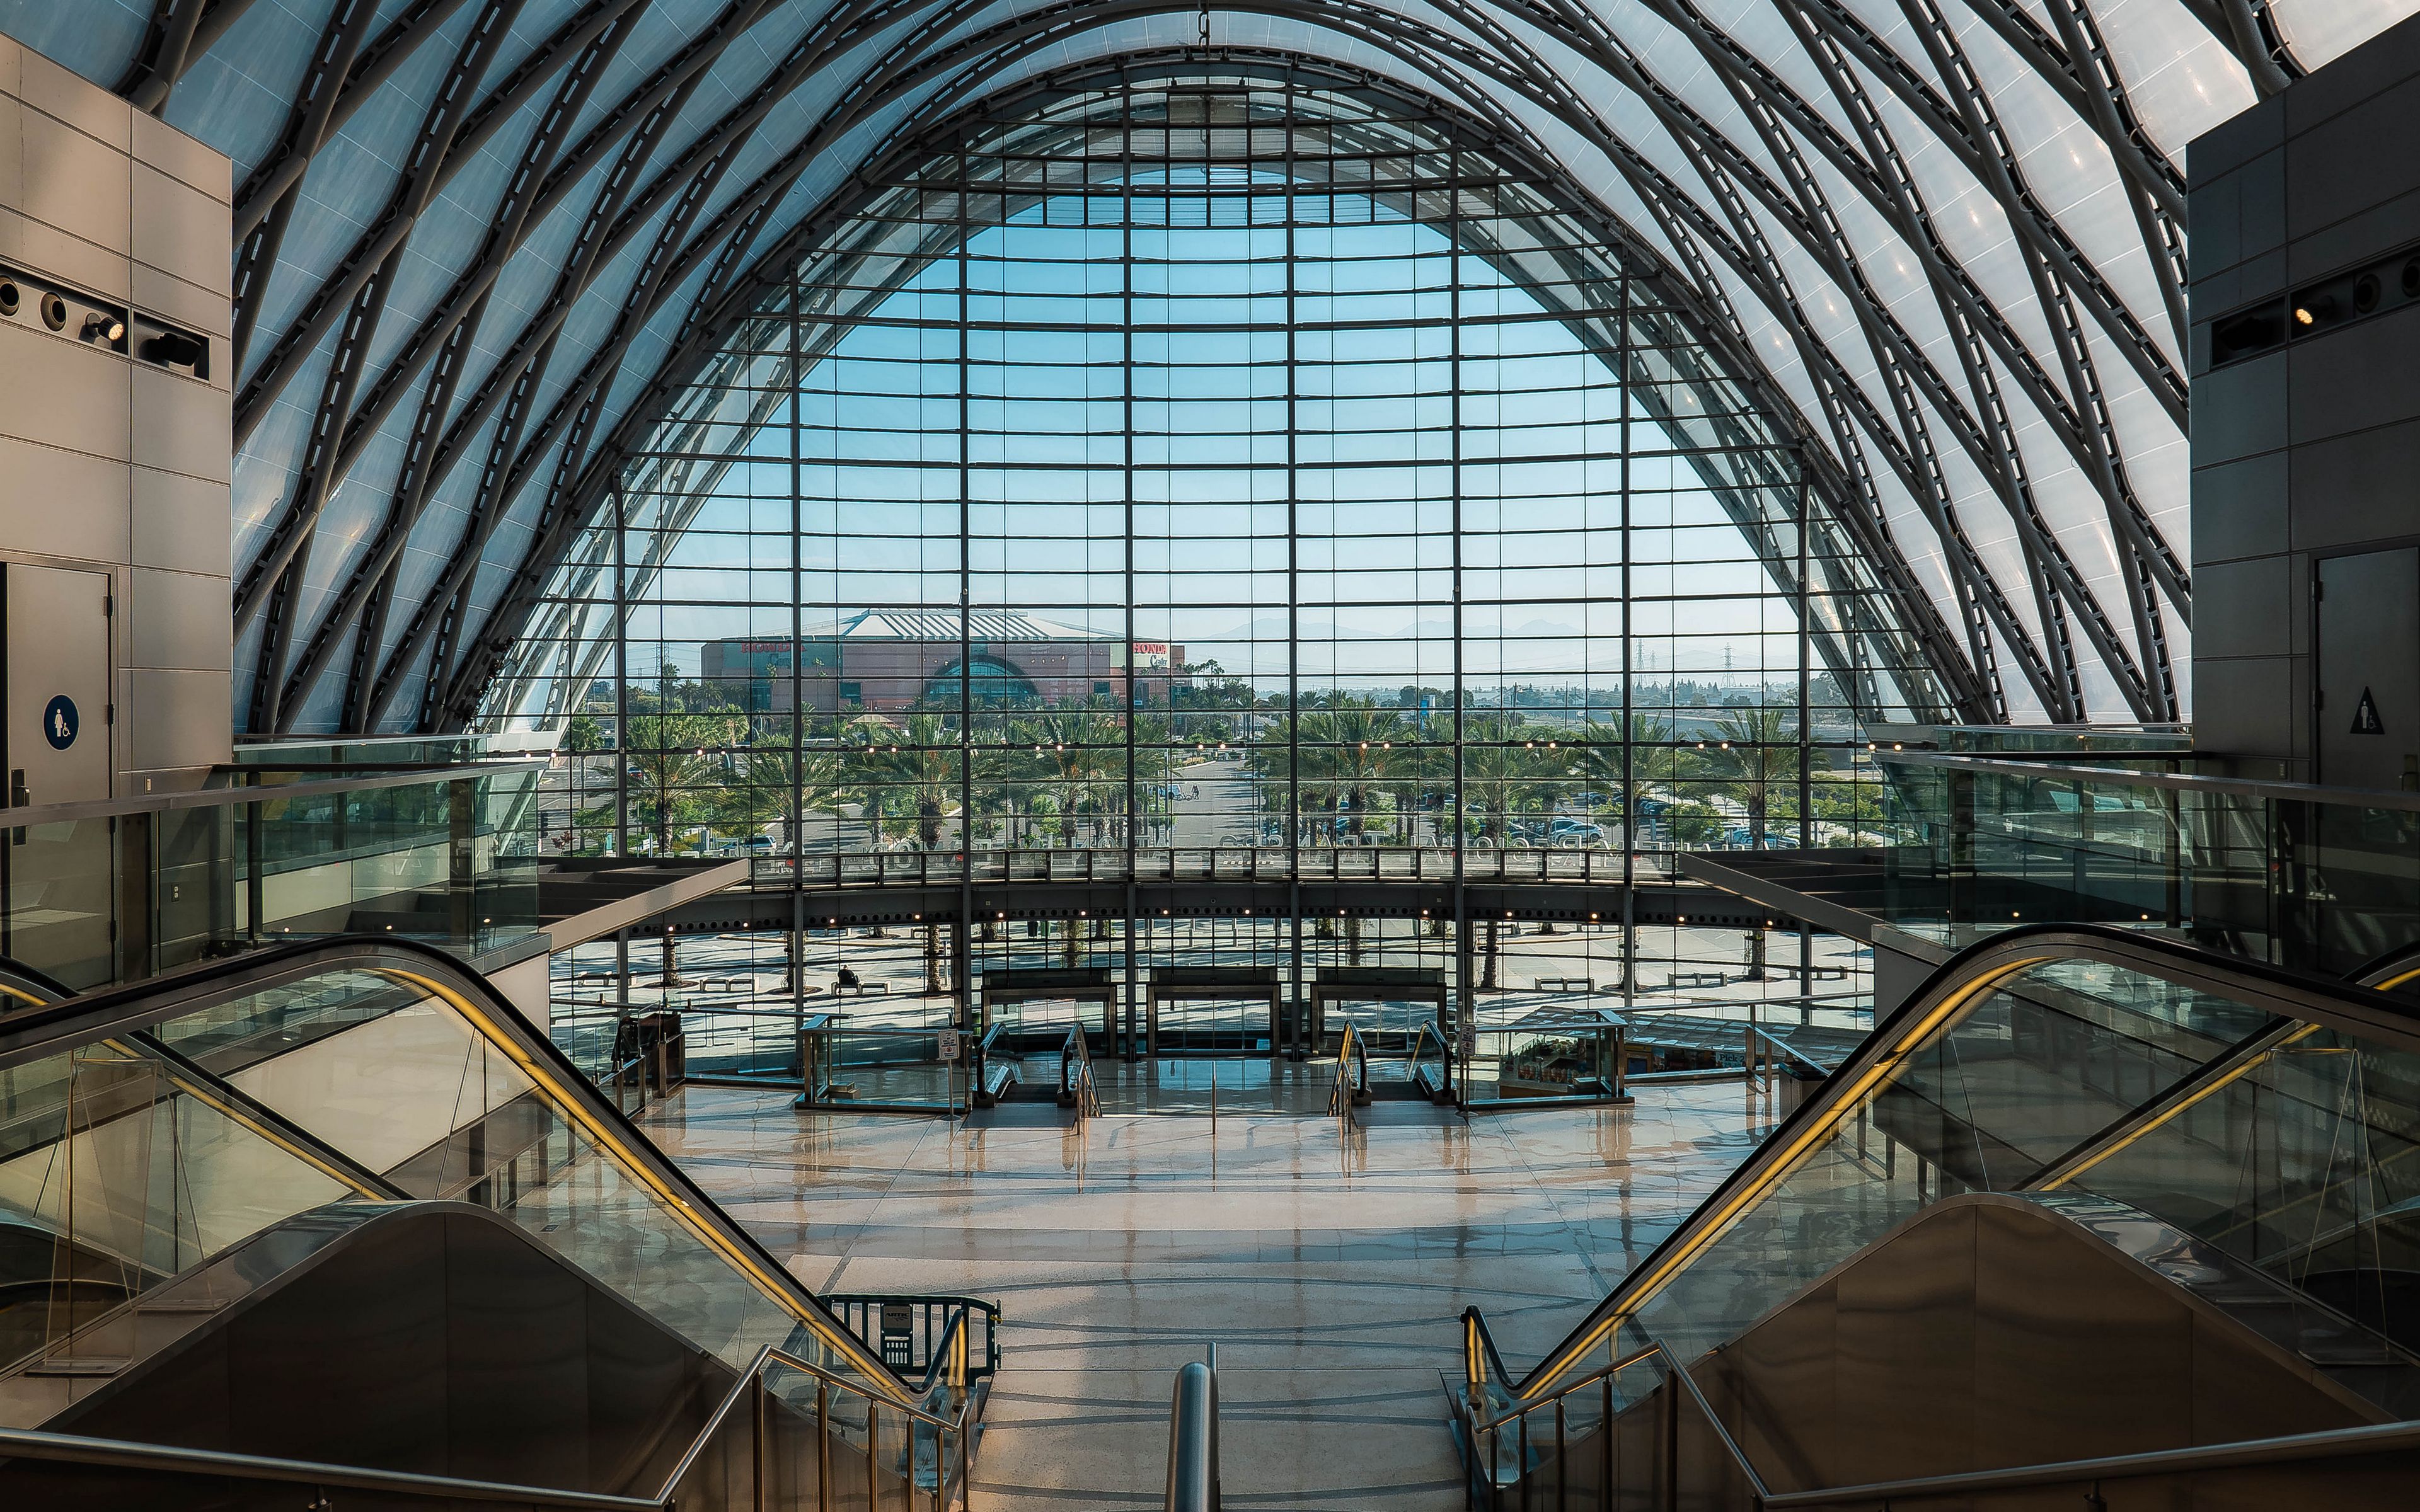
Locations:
column 844, row 1345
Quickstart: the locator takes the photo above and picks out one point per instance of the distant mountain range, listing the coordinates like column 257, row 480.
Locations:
column 1274, row 629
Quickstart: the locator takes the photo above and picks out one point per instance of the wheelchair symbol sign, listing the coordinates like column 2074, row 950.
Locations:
column 59, row 722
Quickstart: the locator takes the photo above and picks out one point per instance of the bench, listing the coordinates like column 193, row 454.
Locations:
column 1827, row 974
column 863, row 989
column 1566, row 984
column 1698, row 979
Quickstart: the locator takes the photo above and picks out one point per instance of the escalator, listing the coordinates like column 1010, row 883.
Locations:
column 334, row 1214
column 2095, row 1219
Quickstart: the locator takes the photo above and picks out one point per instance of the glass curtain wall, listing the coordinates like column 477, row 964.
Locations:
column 1214, row 469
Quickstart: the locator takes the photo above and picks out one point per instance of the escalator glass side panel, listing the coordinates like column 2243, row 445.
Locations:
column 2008, row 1076
column 120, row 1173
column 407, row 1077
column 2304, row 1163
column 422, row 1084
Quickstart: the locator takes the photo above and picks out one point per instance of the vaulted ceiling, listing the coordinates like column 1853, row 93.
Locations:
column 480, row 241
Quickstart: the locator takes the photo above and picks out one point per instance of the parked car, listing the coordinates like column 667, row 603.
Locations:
column 1580, row 836
column 1742, row 838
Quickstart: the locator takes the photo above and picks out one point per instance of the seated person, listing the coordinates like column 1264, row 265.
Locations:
column 847, row 978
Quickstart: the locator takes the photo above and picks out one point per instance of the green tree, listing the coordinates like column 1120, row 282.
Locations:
column 1348, row 754
column 1079, row 755
column 1756, row 755
column 676, row 763
column 1500, row 772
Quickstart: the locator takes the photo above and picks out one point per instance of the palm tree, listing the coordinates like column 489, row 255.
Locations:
column 1269, row 758
column 1347, row 755
column 1079, row 753
column 1499, row 761
column 763, row 779
column 1597, row 759
column 1757, row 750
column 672, row 757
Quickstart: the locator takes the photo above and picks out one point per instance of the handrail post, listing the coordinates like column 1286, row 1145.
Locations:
column 823, row 1446
column 1671, row 1439
column 756, row 1406
column 1193, row 1481
column 1604, row 1442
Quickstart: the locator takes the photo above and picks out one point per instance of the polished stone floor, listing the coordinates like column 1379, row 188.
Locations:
column 1329, row 1270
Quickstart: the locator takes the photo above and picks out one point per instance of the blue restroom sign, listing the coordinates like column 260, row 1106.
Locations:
column 59, row 722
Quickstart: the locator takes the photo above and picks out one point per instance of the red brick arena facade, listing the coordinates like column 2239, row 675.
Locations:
column 892, row 661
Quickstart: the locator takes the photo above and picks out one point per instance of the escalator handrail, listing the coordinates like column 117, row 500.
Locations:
column 157, row 1458
column 40, row 989
column 118, row 1010
column 1473, row 1425
column 161, row 1459
column 2382, row 974
column 2333, row 1443
column 231, row 1103
column 1075, row 1084
column 1960, row 982
column 30, row 985
column 1350, row 1050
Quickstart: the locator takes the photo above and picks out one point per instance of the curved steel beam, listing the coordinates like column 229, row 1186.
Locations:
column 167, row 44
column 292, row 538
column 704, row 334
column 438, row 368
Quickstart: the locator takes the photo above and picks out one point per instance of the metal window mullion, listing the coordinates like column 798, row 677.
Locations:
column 798, row 766
column 965, row 1004
column 1298, row 1003
column 1630, row 835
column 1126, row 476
column 1466, row 1001
column 620, row 504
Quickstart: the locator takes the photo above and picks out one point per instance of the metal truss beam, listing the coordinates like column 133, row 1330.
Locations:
column 274, row 697
column 1990, row 446
column 520, row 596
column 167, row 45
column 1880, row 174
column 547, row 177
column 545, row 434
column 281, row 558
column 476, row 120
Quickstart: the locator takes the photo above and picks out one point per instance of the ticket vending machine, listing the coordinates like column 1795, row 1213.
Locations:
column 57, row 694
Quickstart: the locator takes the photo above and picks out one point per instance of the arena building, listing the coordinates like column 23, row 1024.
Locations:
column 887, row 661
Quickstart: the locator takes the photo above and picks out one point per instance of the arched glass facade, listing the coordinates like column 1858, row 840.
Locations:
column 482, row 244
column 1261, row 442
